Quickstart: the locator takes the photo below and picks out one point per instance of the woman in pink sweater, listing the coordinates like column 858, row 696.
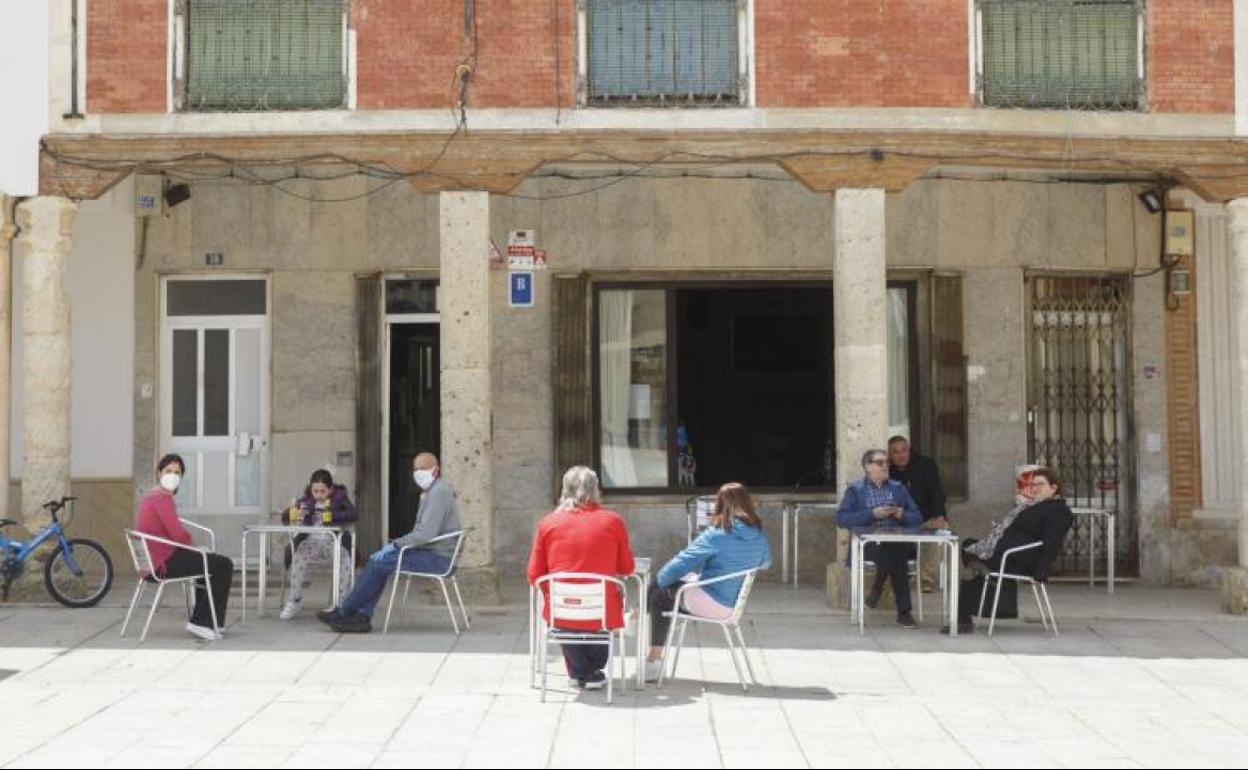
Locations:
column 158, row 515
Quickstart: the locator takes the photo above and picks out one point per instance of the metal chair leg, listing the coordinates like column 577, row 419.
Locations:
column 610, row 660
column 680, row 643
column 449, row 607
column 394, row 589
column 152, row 612
column 134, row 602
column 667, row 648
column 745, row 653
column 1044, row 621
column 1044, row 591
column 996, row 599
column 732, row 650
column 462, row 611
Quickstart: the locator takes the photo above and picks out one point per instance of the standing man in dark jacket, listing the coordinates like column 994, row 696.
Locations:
column 921, row 478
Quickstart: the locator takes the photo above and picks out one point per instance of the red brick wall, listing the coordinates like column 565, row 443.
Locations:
column 1189, row 56
column 408, row 51
column 839, row 53
column 127, row 43
column 835, row 53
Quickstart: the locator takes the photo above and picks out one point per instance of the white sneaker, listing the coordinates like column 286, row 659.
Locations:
column 289, row 610
column 203, row 632
column 653, row 669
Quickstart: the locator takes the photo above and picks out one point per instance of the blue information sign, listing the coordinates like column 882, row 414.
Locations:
column 521, row 294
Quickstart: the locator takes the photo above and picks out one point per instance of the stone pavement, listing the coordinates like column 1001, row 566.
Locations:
column 1147, row 678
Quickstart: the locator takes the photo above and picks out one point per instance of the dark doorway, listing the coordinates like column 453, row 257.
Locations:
column 415, row 414
column 755, row 373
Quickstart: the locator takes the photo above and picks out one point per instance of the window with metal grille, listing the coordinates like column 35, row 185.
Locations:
column 249, row 55
column 1063, row 54
column 662, row 52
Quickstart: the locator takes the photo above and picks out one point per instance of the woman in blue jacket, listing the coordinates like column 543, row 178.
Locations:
column 876, row 501
column 734, row 542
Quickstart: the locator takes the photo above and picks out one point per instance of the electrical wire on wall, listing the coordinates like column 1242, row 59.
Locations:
column 206, row 166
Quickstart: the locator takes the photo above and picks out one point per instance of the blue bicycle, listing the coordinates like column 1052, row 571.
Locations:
column 77, row 574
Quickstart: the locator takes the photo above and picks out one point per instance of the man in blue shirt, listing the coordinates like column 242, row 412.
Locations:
column 877, row 501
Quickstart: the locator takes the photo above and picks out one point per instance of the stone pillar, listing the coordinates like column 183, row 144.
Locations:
column 8, row 230
column 860, row 333
column 46, row 237
column 467, row 427
column 1235, row 579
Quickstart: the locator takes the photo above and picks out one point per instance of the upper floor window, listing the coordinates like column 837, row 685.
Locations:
column 248, row 55
column 663, row 52
column 1061, row 54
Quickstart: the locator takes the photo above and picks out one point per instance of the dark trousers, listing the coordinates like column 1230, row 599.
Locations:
column 971, row 590
column 220, row 577
column 891, row 564
column 660, row 600
column 585, row 661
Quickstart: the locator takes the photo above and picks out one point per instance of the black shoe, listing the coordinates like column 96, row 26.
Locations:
column 329, row 617
column 872, row 600
column 356, row 624
column 965, row 627
column 906, row 620
column 595, row 681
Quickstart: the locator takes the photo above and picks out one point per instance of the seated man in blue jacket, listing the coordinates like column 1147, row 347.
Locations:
column 877, row 501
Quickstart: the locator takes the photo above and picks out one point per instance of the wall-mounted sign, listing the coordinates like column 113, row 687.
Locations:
column 520, row 292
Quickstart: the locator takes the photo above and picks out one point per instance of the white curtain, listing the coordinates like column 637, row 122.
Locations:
column 615, row 334
column 898, row 364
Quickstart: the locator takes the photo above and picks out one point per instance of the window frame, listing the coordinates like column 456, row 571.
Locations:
column 745, row 68
column 915, row 378
column 978, row 79
column 179, row 77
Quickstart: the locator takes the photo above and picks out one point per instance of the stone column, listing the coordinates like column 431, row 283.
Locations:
column 860, row 334
column 46, row 237
column 8, row 230
column 1235, row 580
column 467, row 427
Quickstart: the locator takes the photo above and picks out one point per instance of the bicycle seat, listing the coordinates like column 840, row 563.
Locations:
column 7, row 523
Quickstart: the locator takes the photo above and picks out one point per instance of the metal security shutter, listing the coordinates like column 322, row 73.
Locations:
column 663, row 51
column 245, row 55
column 949, row 432
column 571, row 375
column 1081, row 54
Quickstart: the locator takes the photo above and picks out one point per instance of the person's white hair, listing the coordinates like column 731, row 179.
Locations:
column 580, row 487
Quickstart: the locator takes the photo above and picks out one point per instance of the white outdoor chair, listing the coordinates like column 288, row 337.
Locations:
column 579, row 597
column 446, row 577
column 141, row 555
column 681, row 620
column 1038, row 589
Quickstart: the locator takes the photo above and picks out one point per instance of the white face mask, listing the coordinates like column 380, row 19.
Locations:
column 423, row 478
column 170, row 481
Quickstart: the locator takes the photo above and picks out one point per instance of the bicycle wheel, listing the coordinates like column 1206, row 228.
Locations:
column 86, row 587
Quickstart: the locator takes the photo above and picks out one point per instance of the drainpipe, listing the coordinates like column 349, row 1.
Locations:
column 8, row 231
column 73, row 113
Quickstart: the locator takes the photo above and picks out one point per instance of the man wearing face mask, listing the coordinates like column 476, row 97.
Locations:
column 437, row 514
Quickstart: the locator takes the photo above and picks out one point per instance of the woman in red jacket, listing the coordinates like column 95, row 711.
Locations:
column 582, row 536
column 158, row 515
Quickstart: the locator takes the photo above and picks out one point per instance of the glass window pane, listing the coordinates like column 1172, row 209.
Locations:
column 216, row 382
column 186, row 494
column 247, row 380
column 247, row 480
column 185, row 382
column 216, row 480
column 632, row 361
column 898, row 363
column 411, row 296
column 242, row 297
